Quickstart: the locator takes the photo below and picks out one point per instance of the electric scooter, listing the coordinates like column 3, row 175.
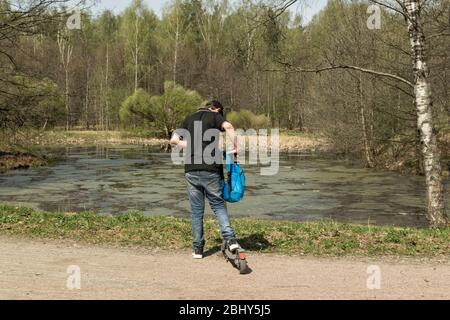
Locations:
column 237, row 258
column 232, row 193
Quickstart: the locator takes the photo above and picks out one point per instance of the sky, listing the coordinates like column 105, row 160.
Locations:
column 306, row 7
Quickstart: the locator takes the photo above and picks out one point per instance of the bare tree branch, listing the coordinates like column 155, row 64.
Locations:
column 383, row 4
column 335, row 67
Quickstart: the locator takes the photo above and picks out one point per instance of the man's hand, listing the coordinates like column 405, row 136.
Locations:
column 176, row 141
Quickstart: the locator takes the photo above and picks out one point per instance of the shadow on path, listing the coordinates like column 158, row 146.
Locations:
column 254, row 242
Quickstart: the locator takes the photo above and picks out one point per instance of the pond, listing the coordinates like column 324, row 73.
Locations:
column 117, row 179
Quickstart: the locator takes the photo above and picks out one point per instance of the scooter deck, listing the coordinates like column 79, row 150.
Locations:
column 238, row 254
column 238, row 258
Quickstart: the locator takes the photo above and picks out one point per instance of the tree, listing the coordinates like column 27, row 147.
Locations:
column 165, row 111
column 136, row 32
column 18, row 23
column 412, row 11
column 49, row 107
column 37, row 105
column 107, row 32
column 171, row 34
column 245, row 119
column 65, row 53
column 138, row 104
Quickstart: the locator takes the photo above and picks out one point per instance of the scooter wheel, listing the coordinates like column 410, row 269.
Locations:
column 242, row 263
column 242, row 266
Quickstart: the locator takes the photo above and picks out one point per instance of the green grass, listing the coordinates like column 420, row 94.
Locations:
column 291, row 238
column 89, row 138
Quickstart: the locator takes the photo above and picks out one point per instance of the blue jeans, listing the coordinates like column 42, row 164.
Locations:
column 209, row 184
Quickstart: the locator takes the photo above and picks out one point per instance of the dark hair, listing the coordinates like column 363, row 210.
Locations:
column 216, row 104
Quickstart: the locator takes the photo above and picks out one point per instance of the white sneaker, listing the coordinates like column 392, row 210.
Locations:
column 197, row 254
column 233, row 245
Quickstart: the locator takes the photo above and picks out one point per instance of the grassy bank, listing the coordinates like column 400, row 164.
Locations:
column 15, row 161
column 292, row 238
column 25, row 153
column 16, row 157
column 289, row 141
column 64, row 138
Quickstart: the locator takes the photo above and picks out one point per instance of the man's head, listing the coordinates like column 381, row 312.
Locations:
column 215, row 106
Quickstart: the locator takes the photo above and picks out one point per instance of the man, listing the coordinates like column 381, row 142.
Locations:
column 204, row 170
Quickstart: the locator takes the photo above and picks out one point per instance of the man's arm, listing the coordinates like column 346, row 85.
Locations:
column 229, row 129
column 176, row 141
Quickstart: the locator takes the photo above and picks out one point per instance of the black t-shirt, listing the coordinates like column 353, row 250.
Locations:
column 202, row 130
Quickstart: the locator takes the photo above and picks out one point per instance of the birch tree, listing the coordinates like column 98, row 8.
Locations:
column 412, row 11
column 107, row 30
column 137, row 26
column 65, row 54
column 173, row 26
column 423, row 101
column 177, row 23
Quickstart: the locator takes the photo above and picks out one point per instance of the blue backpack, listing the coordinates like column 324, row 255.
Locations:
column 234, row 187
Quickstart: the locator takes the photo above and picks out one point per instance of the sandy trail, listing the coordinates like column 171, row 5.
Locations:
column 38, row 270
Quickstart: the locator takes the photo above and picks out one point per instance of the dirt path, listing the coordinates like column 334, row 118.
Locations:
column 38, row 270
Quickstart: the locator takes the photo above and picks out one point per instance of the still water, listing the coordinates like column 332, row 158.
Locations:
column 117, row 179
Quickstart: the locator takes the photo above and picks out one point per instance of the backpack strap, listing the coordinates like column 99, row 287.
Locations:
column 230, row 180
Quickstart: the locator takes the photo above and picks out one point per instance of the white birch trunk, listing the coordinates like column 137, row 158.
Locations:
column 175, row 55
column 423, row 101
column 136, row 54
column 65, row 52
column 362, row 111
column 86, row 106
column 107, row 89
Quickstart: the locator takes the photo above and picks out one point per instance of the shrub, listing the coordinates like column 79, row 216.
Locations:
column 166, row 111
column 245, row 119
